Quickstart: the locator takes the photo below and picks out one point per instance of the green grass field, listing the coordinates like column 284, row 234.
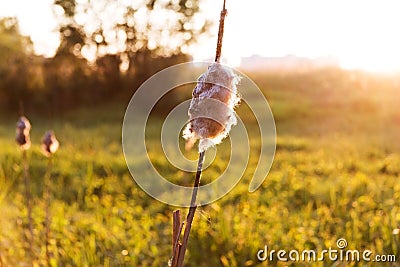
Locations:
column 336, row 174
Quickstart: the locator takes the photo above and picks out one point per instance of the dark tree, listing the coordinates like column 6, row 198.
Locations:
column 17, row 77
column 127, row 43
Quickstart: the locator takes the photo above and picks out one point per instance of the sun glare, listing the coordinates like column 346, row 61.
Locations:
column 361, row 34
column 381, row 61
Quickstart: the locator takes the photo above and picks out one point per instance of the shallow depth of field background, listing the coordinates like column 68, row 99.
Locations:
column 335, row 174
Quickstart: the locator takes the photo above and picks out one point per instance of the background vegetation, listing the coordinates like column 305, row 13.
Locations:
column 335, row 174
column 106, row 50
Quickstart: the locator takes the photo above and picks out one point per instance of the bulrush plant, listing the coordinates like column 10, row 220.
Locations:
column 211, row 116
column 211, row 111
column 22, row 138
column 49, row 146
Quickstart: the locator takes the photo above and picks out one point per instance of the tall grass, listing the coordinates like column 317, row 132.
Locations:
column 335, row 174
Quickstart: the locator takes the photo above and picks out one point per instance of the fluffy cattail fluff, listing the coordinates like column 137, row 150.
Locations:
column 49, row 143
column 211, row 111
column 22, row 136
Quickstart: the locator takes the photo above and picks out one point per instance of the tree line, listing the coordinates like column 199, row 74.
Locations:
column 107, row 49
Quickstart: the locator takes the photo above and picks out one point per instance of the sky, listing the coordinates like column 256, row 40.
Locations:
column 360, row 34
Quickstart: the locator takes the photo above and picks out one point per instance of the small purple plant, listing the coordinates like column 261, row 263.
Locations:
column 50, row 143
column 22, row 136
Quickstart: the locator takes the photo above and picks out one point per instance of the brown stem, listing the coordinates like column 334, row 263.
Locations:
column 46, row 197
column 192, row 210
column 220, row 33
column 176, row 233
column 28, row 201
column 176, row 227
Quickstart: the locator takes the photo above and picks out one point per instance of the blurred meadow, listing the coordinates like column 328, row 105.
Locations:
column 335, row 173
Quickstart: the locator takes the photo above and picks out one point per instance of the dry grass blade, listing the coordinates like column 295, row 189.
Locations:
column 46, row 197
column 28, row 198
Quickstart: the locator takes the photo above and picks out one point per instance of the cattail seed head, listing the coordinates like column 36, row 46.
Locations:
column 49, row 143
column 22, row 136
column 211, row 111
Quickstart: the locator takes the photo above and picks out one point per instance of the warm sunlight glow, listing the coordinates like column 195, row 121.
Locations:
column 36, row 19
column 360, row 34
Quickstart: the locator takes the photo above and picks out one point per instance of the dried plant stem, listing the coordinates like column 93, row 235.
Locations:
column 220, row 33
column 179, row 249
column 192, row 210
column 28, row 201
column 46, row 197
column 176, row 233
